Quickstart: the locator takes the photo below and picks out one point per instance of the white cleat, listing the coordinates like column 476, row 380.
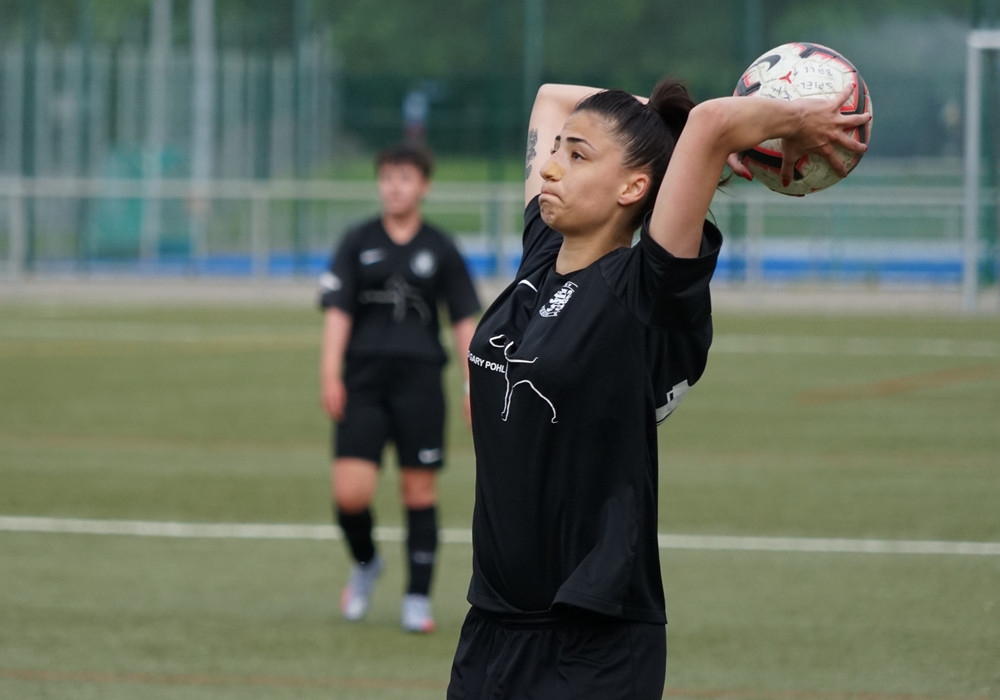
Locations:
column 356, row 598
column 416, row 615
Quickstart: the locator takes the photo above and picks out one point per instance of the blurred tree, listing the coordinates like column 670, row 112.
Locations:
column 470, row 57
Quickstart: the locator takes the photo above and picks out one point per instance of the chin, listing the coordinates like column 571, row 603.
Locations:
column 548, row 216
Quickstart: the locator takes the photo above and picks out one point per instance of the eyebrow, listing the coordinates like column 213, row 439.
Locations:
column 575, row 140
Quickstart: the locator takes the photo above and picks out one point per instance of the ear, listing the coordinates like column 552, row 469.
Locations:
column 634, row 190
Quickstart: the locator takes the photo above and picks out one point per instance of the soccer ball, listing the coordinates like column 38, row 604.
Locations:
column 791, row 71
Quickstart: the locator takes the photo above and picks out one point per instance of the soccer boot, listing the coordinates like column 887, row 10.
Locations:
column 356, row 598
column 416, row 614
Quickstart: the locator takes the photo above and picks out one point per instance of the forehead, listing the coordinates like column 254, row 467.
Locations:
column 401, row 169
column 588, row 126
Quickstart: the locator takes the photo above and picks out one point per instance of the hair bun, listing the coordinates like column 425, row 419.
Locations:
column 671, row 100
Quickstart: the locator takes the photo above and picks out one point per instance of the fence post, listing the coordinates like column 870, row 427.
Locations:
column 754, row 237
column 259, row 244
column 203, row 64
column 973, row 101
column 979, row 41
column 17, row 230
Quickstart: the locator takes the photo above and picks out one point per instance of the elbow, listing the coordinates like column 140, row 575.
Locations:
column 548, row 91
column 712, row 116
column 712, row 123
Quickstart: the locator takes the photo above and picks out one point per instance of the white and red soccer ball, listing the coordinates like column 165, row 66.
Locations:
column 803, row 70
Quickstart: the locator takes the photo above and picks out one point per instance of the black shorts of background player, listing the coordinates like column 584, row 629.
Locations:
column 381, row 372
column 575, row 364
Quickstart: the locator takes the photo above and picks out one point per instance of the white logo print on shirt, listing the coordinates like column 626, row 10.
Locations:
column 558, row 300
column 329, row 282
column 371, row 256
column 516, row 373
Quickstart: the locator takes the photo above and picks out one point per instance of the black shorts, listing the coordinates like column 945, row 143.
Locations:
column 401, row 401
column 579, row 656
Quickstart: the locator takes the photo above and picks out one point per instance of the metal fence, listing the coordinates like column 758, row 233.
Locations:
column 129, row 112
column 887, row 235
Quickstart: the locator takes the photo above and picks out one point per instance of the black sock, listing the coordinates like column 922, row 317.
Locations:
column 421, row 548
column 357, row 528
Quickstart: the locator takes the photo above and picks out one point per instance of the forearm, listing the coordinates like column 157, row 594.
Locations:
column 558, row 100
column 336, row 332
column 555, row 102
column 739, row 123
column 463, row 331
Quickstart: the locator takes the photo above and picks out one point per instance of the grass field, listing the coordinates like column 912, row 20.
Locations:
column 798, row 479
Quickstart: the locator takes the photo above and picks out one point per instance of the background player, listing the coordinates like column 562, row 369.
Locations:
column 381, row 372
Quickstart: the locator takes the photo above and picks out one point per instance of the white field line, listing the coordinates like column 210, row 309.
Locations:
column 145, row 332
column 248, row 531
column 854, row 346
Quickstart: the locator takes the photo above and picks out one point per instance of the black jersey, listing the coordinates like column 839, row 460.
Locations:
column 392, row 291
column 570, row 376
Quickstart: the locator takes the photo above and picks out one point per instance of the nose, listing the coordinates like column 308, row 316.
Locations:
column 551, row 170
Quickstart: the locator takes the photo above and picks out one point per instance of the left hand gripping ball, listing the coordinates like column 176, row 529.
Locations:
column 801, row 70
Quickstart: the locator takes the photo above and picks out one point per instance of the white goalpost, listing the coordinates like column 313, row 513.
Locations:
column 979, row 42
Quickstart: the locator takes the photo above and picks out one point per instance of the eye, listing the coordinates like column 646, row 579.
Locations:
column 576, row 155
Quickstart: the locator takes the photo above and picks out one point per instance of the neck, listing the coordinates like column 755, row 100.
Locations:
column 402, row 227
column 577, row 253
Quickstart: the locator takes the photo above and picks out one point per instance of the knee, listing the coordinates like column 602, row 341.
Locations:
column 351, row 501
column 418, row 488
column 354, row 485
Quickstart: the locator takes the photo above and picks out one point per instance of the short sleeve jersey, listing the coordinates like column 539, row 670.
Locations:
column 392, row 292
column 570, row 376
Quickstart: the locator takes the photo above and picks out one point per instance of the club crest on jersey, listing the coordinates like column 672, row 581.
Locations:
column 423, row 263
column 558, row 300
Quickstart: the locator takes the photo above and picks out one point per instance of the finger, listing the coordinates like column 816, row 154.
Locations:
column 834, row 160
column 847, row 93
column 333, row 406
column 787, row 171
column 848, row 136
column 335, row 410
column 330, row 409
column 736, row 165
column 852, row 144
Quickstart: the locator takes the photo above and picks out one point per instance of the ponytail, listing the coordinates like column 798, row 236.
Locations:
column 671, row 100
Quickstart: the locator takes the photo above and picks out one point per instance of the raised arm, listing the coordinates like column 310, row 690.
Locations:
column 717, row 128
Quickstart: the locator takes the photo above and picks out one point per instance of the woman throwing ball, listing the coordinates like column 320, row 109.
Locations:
column 575, row 364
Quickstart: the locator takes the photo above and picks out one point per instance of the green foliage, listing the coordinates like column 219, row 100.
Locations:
column 472, row 56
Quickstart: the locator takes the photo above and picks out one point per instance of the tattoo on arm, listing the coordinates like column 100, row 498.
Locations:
column 532, row 142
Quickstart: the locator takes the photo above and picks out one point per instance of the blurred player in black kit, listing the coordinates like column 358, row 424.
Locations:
column 381, row 372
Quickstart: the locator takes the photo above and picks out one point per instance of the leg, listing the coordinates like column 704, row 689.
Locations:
column 419, row 495
column 358, row 441
column 418, row 431
column 418, row 486
column 420, row 501
column 353, row 482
